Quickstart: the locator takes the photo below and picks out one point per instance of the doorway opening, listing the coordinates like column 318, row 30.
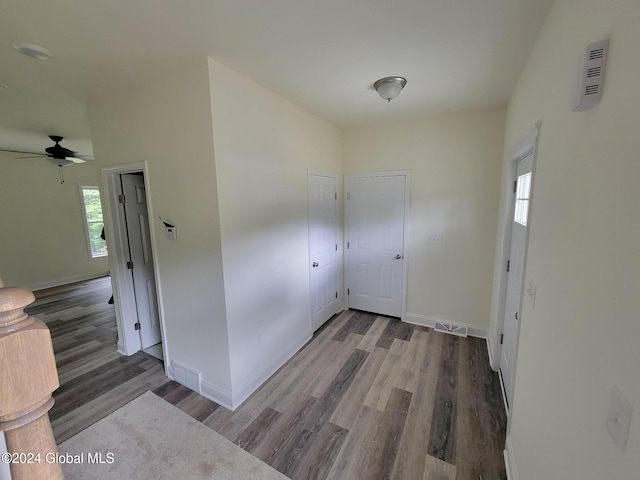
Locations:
column 515, row 269
column 130, row 234
column 511, row 261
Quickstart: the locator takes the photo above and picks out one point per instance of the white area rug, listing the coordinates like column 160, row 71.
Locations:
column 151, row 439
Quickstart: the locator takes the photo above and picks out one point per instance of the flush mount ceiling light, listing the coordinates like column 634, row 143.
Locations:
column 389, row 87
column 33, row 51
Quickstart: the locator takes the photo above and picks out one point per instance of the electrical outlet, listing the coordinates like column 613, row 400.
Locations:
column 618, row 419
column 434, row 239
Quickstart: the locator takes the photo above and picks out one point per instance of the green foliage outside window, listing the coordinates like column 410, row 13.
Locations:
column 95, row 223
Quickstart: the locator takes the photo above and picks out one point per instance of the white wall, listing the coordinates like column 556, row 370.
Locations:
column 584, row 250
column 42, row 235
column 165, row 119
column 455, row 170
column 264, row 147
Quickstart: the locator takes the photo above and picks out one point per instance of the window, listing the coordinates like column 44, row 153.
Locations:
column 523, row 190
column 93, row 220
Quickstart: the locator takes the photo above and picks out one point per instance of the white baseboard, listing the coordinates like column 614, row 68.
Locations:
column 232, row 401
column 252, row 385
column 63, row 281
column 509, row 461
column 121, row 349
column 216, row 394
column 426, row 321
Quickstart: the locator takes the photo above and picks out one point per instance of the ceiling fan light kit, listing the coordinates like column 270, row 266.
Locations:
column 389, row 87
column 60, row 162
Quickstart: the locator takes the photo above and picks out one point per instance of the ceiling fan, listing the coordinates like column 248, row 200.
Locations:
column 57, row 154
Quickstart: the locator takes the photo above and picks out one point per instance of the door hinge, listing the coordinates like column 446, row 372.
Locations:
column 348, row 292
column 336, row 294
column 122, row 199
column 130, row 265
column 137, row 326
column 336, row 247
column 515, row 186
column 501, row 338
column 347, row 245
column 508, row 265
column 336, row 196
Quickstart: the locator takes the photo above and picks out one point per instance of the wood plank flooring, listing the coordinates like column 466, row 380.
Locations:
column 367, row 398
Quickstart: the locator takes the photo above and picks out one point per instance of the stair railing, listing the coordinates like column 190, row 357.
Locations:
column 28, row 376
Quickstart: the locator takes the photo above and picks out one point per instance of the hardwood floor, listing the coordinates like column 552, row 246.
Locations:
column 368, row 397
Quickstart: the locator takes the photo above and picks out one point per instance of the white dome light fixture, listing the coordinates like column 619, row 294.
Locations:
column 389, row 87
column 33, row 51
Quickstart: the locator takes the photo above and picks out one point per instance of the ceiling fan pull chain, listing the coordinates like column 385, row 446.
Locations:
column 61, row 174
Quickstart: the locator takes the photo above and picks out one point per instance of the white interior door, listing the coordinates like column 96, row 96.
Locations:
column 375, row 242
column 323, row 248
column 137, row 221
column 516, row 274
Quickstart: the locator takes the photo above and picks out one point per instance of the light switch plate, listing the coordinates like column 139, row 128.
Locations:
column 619, row 418
column 171, row 233
column 531, row 293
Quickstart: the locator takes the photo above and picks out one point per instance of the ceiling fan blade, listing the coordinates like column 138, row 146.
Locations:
column 83, row 157
column 35, row 156
column 19, row 151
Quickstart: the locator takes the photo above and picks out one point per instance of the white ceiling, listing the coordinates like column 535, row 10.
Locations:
column 322, row 55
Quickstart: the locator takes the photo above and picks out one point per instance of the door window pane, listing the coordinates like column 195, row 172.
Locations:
column 523, row 190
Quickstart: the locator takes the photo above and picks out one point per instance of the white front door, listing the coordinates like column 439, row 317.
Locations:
column 137, row 220
column 323, row 248
column 516, row 274
column 375, row 242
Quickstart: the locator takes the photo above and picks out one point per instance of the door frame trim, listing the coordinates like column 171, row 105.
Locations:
column 528, row 145
column 405, row 232
column 121, row 280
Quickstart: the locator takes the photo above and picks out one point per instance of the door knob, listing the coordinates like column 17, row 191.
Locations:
column 315, row 264
column 398, row 257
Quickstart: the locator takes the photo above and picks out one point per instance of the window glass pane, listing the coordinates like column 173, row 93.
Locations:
column 523, row 190
column 92, row 206
column 526, row 185
column 93, row 221
column 98, row 245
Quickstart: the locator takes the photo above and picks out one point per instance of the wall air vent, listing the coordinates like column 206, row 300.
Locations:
column 186, row 376
column 451, row 329
column 590, row 78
